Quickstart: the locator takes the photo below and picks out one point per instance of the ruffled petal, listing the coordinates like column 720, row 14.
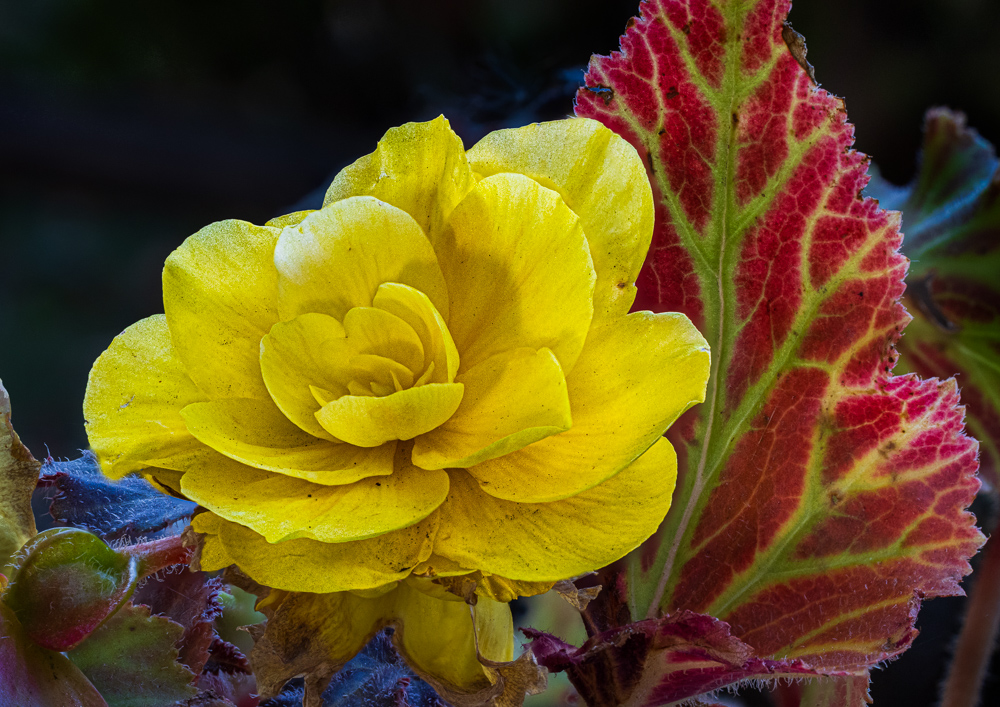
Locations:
column 337, row 257
column 601, row 177
column 133, row 403
column 255, row 433
column 282, row 508
column 636, row 375
column 220, row 295
column 518, row 270
column 551, row 541
column 511, row 400
column 420, row 168
column 368, row 421
column 311, row 566
column 297, row 354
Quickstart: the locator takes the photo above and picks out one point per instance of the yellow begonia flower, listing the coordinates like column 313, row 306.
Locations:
column 435, row 374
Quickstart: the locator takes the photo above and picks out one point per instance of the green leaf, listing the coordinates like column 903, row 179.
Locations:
column 132, row 660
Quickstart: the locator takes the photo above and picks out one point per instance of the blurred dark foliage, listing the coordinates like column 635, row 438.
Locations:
column 126, row 126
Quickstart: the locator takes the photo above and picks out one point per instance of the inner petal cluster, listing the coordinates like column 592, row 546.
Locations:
column 386, row 372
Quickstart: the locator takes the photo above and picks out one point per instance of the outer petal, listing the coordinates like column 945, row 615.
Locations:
column 337, row 257
column 551, row 541
column 213, row 555
column 519, row 272
column 132, row 408
column 419, row 167
column 437, row 636
column 370, row 421
column 311, row 566
column 511, row 400
column 291, row 219
column 295, row 355
column 636, row 375
column 163, row 480
column 282, row 508
column 220, row 296
column 433, row 632
column 255, row 433
column 601, row 177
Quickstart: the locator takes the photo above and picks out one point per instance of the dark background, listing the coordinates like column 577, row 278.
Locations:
column 125, row 126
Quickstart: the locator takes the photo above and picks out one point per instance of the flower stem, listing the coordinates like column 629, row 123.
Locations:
column 156, row 555
column 964, row 683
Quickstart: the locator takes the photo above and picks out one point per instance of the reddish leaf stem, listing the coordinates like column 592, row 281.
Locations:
column 156, row 555
column 964, row 683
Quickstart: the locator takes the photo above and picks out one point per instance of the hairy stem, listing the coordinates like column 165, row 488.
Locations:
column 964, row 683
column 156, row 555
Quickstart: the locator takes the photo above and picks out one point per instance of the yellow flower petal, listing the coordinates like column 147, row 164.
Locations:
column 370, row 421
column 220, row 296
column 511, row 400
column 437, row 637
column 213, row 553
column 372, row 330
column 518, row 270
column 636, row 375
column 311, row 566
column 291, row 219
column 601, row 177
column 418, row 167
column 414, row 307
column 255, row 433
column 337, row 257
column 492, row 586
column 163, row 480
column 297, row 354
column 282, row 508
column 539, row 542
column 134, row 398
column 438, row 566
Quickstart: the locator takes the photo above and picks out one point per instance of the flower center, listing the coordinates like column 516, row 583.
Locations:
column 400, row 342
column 390, row 374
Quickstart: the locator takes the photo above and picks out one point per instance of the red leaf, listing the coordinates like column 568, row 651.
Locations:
column 658, row 661
column 820, row 498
